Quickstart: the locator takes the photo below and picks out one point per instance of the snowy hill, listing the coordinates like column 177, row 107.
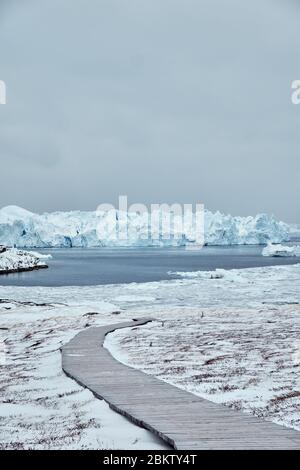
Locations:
column 12, row 260
column 24, row 229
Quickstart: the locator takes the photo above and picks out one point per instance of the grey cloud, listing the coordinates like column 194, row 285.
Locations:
column 174, row 101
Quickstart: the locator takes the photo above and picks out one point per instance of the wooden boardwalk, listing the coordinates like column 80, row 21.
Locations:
column 180, row 418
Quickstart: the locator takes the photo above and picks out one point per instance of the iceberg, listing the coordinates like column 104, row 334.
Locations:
column 23, row 229
column 278, row 250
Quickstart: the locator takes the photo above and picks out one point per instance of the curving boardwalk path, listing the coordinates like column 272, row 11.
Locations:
column 182, row 419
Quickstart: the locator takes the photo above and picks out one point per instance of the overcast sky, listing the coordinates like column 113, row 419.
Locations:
column 162, row 100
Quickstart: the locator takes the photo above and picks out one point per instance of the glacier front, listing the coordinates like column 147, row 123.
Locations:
column 23, row 229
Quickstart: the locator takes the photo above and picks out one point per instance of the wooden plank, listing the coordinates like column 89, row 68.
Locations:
column 183, row 420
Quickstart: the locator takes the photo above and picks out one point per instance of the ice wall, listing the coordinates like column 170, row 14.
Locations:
column 24, row 229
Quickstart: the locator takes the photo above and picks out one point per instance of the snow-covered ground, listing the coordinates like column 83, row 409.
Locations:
column 243, row 358
column 21, row 228
column 40, row 408
column 280, row 250
column 12, row 260
column 242, row 351
column 232, row 338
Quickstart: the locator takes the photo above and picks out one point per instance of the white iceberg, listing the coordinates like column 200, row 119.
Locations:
column 278, row 250
column 40, row 255
column 23, row 229
column 12, row 260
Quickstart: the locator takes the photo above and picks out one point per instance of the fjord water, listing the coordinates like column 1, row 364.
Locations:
column 83, row 267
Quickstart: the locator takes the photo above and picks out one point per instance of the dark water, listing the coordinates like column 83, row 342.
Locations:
column 73, row 267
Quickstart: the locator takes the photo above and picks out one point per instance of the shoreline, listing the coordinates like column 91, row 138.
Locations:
column 22, row 270
column 92, row 267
